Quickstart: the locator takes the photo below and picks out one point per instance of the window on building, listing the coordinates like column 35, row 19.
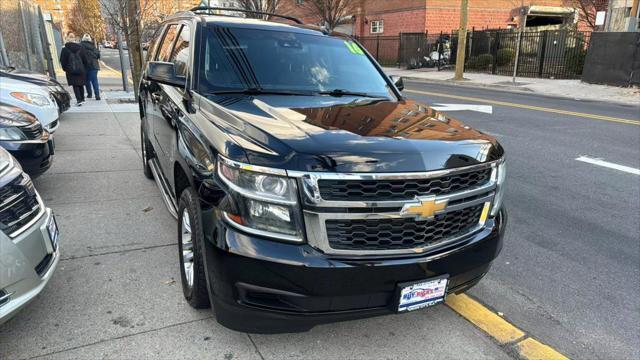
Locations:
column 377, row 26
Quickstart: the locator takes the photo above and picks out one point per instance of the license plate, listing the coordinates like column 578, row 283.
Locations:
column 54, row 234
column 418, row 295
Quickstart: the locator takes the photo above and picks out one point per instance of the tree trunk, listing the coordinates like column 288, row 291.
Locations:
column 133, row 42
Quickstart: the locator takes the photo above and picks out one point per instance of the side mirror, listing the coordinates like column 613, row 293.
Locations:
column 164, row 73
column 398, row 81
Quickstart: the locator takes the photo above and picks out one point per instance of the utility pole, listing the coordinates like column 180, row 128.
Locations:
column 125, row 82
column 462, row 39
column 523, row 20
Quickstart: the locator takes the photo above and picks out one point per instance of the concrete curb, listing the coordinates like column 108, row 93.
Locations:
column 506, row 88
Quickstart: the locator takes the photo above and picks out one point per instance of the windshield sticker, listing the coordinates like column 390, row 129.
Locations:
column 354, row 48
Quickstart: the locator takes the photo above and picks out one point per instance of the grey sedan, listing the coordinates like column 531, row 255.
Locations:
column 28, row 240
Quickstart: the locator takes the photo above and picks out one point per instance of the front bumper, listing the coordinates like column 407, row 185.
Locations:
column 34, row 156
column 269, row 287
column 20, row 260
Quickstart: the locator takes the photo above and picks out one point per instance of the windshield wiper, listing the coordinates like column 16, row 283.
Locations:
column 341, row 92
column 258, row 91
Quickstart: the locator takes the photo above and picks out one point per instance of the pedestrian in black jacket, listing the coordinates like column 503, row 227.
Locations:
column 93, row 55
column 74, row 62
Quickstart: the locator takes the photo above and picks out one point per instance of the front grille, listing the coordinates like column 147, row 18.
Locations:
column 406, row 189
column 18, row 204
column 400, row 233
column 32, row 132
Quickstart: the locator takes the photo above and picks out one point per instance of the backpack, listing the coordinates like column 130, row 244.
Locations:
column 75, row 66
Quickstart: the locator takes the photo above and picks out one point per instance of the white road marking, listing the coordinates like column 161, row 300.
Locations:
column 599, row 162
column 487, row 109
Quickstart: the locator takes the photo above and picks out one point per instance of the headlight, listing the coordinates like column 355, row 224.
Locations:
column 501, row 174
column 11, row 133
column 34, row 99
column 266, row 199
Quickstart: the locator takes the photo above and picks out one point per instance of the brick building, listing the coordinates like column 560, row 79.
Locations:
column 390, row 17
column 59, row 10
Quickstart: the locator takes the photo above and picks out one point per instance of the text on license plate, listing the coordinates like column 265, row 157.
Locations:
column 422, row 294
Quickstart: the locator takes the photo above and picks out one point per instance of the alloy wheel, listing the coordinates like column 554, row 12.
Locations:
column 187, row 247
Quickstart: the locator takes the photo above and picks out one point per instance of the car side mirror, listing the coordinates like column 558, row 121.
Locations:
column 164, row 73
column 398, row 81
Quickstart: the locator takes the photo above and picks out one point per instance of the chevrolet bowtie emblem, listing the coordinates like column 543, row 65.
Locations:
column 426, row 208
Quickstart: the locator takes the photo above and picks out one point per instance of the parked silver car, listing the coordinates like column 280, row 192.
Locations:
column 28, row 240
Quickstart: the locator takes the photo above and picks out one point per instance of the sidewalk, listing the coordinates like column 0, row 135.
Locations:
column 572, row 89
column 112, row 101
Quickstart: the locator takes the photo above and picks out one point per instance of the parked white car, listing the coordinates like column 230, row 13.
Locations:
column 32, row 98
column 28, row 240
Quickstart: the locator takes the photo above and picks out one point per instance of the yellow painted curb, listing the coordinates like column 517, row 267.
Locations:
column 501, row 330
column 115, row 72
column 534, row 350
column 530, row 107
column 485, row 319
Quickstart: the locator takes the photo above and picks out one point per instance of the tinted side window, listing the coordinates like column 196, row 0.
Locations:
column 165, row 47
column 180, row 54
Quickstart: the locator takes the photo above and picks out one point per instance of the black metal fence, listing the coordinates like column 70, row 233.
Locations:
column 384, row 48
column 546, row 54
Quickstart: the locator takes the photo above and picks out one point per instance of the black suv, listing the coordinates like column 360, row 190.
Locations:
column 307, row 188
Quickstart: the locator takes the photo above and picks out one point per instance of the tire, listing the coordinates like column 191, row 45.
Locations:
column 189, row 217
column 147, row 153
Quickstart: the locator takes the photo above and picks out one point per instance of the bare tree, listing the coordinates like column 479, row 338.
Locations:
column 333, row 13
column 85, row 18
column 587, row 10
column 269, row 6
column 127, row 17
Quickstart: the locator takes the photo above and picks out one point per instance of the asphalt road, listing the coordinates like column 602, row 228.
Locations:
column 111, row 57
column 570, row 269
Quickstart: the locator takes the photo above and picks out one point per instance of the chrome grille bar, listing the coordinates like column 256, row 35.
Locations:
column 316, row 209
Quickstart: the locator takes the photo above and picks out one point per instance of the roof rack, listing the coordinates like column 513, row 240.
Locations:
column 209, row 10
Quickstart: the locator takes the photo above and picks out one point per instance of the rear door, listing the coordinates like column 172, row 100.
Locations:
column 172, row 107
column 157, row 109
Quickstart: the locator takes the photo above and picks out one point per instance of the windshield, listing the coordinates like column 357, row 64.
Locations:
column 237, row 59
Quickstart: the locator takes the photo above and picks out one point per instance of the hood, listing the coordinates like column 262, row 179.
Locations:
column 11, row 116
column 14, row 84
column 73, row 47
column 88, row 45
column 351, row 134
column 28, row 75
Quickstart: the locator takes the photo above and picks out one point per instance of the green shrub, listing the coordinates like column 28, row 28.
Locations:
column 505, row 56
column 480, row 62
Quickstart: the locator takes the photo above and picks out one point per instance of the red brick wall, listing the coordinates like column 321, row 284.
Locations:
column 427, row 15
column 444, row 15
column 394, row 22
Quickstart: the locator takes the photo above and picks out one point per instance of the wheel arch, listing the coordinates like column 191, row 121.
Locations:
column 182, row 179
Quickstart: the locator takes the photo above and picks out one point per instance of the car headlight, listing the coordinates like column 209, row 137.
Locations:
column 266, row 200
column 31, row 98
column 501, row 174
column 11, row 133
